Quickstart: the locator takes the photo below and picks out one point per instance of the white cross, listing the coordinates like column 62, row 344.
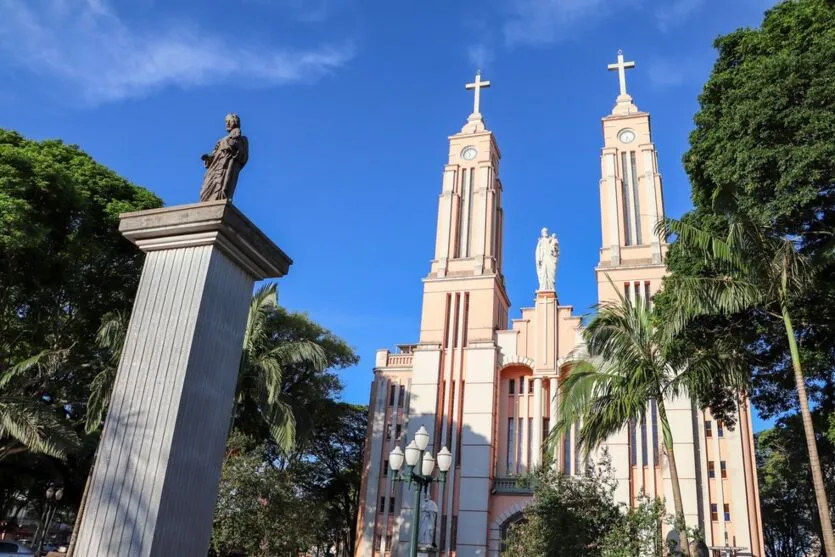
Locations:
column 621, row 67
column 477, row 85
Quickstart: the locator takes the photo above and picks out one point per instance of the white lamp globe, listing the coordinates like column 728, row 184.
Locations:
column 422, row 438
column 396, row 459
column 428, row 465
column 444, row 460
column 412, row 453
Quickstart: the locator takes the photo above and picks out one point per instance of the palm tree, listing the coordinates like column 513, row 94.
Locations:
column 628, row 365
column 28, row 424
column 259, row 394
column 761, row 272
column 110, row 337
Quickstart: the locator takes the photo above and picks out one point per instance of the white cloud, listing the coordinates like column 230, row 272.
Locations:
column 676, row 12
column 544, row 21
column 480, row 56
column 87, row 45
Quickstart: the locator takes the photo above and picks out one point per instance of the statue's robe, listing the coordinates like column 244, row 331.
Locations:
column 225, row 163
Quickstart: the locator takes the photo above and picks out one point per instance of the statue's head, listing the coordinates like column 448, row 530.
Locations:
column 232, row 121
column 544, row 233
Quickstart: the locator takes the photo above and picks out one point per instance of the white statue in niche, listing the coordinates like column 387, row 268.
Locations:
column 547, row 254
column 428, row 516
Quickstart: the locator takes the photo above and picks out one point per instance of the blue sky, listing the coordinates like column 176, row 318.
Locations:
column 348, row 105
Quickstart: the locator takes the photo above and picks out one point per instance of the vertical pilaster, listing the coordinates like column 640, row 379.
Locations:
column 536, row 450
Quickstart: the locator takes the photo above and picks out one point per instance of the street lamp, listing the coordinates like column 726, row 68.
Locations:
column 420, row 467
column 49, row 514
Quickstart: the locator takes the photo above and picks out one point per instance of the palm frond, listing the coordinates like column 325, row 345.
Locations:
column 36, row 426
column 111, row 333
column 100, row 390
column 43, row 359
column 699, row 296
column 302, row 352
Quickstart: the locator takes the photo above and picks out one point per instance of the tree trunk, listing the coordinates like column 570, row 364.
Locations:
column 680, row 523
column 828, row 540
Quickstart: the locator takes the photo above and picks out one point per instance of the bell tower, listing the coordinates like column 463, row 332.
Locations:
column 454, row 364
column 631, row 200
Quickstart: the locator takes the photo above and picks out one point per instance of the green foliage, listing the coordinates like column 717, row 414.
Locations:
column 63, row 265
column 638, row 533
column 260, row 511
column 569, row 515
column 763, row 139
column 790, row 517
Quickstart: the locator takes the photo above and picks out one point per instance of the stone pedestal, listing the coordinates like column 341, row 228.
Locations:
column 154, row 487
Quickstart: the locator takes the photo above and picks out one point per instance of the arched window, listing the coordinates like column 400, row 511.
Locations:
column 517, row 518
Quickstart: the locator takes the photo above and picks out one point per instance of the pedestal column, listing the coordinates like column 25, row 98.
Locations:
column 154, row 487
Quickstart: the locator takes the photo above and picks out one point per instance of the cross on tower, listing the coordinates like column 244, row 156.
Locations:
column 621, row 67
column 477, row 85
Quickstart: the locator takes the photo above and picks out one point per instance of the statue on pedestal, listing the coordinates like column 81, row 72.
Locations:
column 225, row 162
column 547, row 253
column 426, row 532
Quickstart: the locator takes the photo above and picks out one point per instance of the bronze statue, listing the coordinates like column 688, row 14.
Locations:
column 225, row 162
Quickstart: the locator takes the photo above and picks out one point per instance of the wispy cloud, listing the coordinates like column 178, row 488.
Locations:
column 480, row 56
column 87, row 45
column 544, row 21
column 675, row 12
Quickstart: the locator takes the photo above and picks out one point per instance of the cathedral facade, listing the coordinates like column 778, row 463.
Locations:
column 487, row 386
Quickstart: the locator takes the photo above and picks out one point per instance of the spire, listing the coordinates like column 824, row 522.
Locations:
column 475, row 122
column 624, row 104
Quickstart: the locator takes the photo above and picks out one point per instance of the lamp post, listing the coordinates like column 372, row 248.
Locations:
column 49, row 514
column 419, row 473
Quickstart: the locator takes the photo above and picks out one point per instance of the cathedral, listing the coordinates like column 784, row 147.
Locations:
column 487, row 386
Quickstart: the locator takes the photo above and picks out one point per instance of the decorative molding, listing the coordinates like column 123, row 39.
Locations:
column 516, row 360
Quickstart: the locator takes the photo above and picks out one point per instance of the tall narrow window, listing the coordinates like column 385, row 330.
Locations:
column 644, row 444
column 720, row 431
column 530, row 442
column 453, row 534
column 708, row 428
column 657, row 456
column 511, row 447
column 397, row 431
column 519, row 456
column 385, row 468
column 626, row 294
column 402, row 395
column 566, row 453
column 392, row 394
column 714, row 512
column 723, row 468
column 633, row 442
column 391, row 504
column 711, row 470
column 458, row 452
column 647, row 296
column 637, row 287
column 636, row 207
column 727, row 509
column 627, row 202
column 512, row 386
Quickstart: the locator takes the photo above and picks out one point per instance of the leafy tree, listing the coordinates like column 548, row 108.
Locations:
column 629, row 367
column 569, row 515
column 260, row 511
column 790, row 518
column 757, row 272
column 638, row 533
column 63, row 265
column 331, row 470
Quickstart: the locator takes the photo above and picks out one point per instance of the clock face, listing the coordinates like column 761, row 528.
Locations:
column 469, row 153
column 626, row 136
